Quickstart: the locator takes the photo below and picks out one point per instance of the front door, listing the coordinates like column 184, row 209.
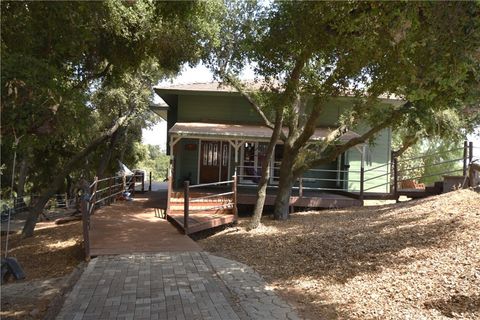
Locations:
column 214, row 161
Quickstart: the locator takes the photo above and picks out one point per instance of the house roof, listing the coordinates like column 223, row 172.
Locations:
column 220, row 88
column 240, row 131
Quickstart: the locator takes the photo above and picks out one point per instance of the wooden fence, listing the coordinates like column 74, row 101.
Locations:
column 104, row 192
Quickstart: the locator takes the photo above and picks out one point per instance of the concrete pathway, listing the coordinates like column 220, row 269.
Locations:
column 187, row 285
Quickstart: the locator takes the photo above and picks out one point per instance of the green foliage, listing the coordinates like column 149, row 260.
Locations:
column 429, row 159
column 71, row 69
column 155, row 161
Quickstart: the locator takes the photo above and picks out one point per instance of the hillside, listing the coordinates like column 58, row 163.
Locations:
column 412, row 260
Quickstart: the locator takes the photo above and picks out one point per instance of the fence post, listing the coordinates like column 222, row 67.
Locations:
column 93, row 197
column 395, row 178
column 85, row 226
column 143, row 181
column 150, row 185
column 300, row 187
column 186, row 200
column 109, row 191
column 362, row 180
column 235, row 209
column 465, row 157
column 169, row 190
column 470, row 152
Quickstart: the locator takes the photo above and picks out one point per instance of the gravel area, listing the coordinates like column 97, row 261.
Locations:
column 413, row 260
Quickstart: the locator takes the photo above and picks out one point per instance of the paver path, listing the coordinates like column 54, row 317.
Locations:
column 188, row 285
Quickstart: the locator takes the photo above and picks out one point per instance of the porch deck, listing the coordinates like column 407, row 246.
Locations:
column 200, row 218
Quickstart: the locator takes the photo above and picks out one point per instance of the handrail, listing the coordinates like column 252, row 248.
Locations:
column 380, row 166
column 430, row 155
column 375, row 177
column 224, row 206
column 211, row 196
column 211, row 184
column 432, row 175
column 431, row 165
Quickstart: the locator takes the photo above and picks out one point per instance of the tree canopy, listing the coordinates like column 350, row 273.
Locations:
column 77, row 79
column 424, row 53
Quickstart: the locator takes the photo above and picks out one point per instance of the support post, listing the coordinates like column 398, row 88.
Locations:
column 470, row 152
column 362, row 179
column 186, row 199
column 234, row 198
column 465, row 157
column 93, row 197
column 150, row 182
column 169, row 189
column 300, row 187
column 85, row 226
column 395, row 178
column 362, row 173
column 143, row 181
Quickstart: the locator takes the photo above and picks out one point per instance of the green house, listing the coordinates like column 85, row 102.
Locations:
column 213, row 132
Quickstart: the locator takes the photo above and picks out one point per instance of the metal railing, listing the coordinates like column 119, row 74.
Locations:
column 188, row 199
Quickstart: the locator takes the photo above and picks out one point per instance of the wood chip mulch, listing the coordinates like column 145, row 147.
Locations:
column 46, row 258
column 412, row 260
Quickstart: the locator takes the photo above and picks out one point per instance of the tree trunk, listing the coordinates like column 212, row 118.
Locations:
column 107, row 155
column 22, row 177
column 37, row 208
column 263, row 183
column 285, row 184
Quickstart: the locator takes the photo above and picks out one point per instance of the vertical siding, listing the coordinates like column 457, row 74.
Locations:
column 379, row 155
column 186, row 162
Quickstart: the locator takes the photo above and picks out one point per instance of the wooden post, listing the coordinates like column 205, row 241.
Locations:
column 186, row 199
column 234, row 197
column 395, row 178
column 470, row 152
column 362, row 180
column 473, row 176
column 150, row 180
column 93, row 196
column 169, row 190
column 465, row 157
column 109, row 191
column 300, row 188
column 86, row 226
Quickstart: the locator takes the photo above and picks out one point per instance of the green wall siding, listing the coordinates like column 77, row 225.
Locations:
column 235, row 109
column 379, row 155
column 216, row 109
column 186, row 162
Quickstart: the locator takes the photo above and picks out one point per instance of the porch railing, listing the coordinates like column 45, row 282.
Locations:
column 188, row 199
column 99, row 193
column 390, row 173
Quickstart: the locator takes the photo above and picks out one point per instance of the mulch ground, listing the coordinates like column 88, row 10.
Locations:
column 413, row 260
column 46, row 258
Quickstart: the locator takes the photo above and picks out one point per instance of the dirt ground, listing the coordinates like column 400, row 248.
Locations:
column 47, row 259
column 413, row 260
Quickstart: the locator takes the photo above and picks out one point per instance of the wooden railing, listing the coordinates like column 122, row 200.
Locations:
column 187, row 199
column 102, row 192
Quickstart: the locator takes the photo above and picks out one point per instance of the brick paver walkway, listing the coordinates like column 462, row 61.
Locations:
column 188, row 285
